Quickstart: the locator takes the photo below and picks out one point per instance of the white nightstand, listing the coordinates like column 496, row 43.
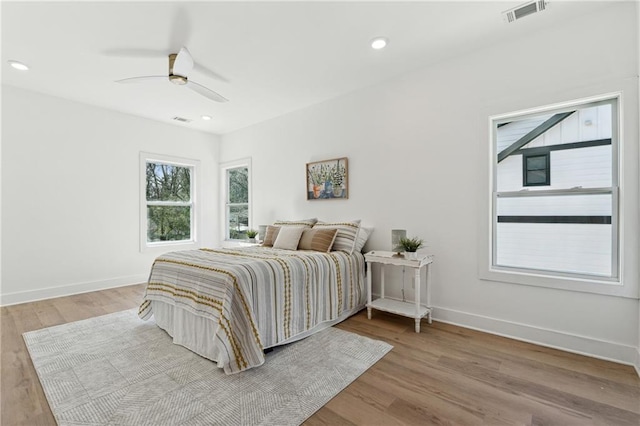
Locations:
column 249, row 244
column 414, row 309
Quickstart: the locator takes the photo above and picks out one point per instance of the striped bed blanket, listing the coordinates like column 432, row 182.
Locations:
column 258, row 297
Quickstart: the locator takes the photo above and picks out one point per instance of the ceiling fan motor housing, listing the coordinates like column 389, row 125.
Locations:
column 175, row 78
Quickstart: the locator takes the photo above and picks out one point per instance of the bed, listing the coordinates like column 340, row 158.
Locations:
column 229, row 305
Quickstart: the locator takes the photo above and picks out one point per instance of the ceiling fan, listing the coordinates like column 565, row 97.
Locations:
column 180, row 65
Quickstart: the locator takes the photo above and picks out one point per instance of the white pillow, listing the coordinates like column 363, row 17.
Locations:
column 363, row 235
column 288, row 237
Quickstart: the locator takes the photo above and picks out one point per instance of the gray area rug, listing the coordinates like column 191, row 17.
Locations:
column 119, row 370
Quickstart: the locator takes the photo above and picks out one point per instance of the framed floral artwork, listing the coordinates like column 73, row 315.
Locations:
column 327, row 179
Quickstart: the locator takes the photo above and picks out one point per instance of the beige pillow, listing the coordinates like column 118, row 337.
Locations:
column 346, row 236
column 308, row 223
column 317, row 239
column 288, row 237
column 270, row 236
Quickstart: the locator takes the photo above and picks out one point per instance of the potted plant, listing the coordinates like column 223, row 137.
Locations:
column 316, row 182
column 337, row 177
column 327, row 178
column 410, row 246
column 251, row 233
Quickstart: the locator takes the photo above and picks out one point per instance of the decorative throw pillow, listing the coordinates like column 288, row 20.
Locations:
column 307, row 223
column 346, row 236
column 363, row 236
column 270, row 236
column 317, row 239
column 288, row 237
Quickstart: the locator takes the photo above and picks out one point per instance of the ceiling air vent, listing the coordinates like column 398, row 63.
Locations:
column 181, row 119
column 523, row 10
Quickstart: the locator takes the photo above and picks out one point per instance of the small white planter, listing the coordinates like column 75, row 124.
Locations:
column 410, row 255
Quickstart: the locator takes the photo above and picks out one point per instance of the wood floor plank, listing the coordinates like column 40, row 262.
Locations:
column 546, row 394
column 420, row 414
column 327, row 417
column 48, row 313
column 19, row 379
column 24, row 317
column 443, row 375
column 359, row 412
column 371, row 396
column 595, row 388
column 488, row 398
column 549, row 356
column 413, row 391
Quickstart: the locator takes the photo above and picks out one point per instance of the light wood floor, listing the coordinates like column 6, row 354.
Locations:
column 444, row 375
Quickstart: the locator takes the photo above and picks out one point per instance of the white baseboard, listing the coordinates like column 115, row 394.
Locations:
column 68, row 290
column 583, row 345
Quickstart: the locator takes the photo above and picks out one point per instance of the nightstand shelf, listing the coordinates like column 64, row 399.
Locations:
column 397, row 307
column 414, row 309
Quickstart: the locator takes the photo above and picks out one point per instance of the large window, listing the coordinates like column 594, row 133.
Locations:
column 237, row 178
column 555, row 191
column 168, row 200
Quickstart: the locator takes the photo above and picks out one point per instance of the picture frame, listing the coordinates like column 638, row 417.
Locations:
column 328, row 179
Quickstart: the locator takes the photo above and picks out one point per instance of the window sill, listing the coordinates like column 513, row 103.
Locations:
column 609, row 287
column 171, row 245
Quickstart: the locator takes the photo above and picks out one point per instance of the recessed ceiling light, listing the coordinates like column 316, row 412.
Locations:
column 379, row 43
column 18, row 65
column 206, row 117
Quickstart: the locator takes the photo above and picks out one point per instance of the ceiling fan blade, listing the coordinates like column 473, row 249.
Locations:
column 206, row 71
column 143, row 79
column 184, row 63
column 207, row 93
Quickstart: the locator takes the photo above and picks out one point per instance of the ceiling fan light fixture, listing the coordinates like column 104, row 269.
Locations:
column 178, row 79
column 18, row 65
column 379, row 43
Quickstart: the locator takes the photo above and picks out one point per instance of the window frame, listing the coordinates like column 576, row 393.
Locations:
column 194, row 167
column 488, row 270
column 224, row 191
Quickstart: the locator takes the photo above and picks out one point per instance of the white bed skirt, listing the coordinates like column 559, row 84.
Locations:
column 197, row 333
column 191, row 331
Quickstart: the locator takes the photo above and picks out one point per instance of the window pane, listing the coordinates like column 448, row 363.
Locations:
column 238, row 217
column 537, row 163
column 571, row 248
column 166, row 182
column 168, row 223
column 578, row 142
column 570, row 233
column 538, row 176
column 238, row 185
column 586, row 167
column 556, row 205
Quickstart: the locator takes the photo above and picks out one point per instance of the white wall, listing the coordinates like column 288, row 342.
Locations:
column 637, row 364
column 418, row 160
column 70, row 194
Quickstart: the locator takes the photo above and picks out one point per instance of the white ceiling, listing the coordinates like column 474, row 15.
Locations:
column 266, row 58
